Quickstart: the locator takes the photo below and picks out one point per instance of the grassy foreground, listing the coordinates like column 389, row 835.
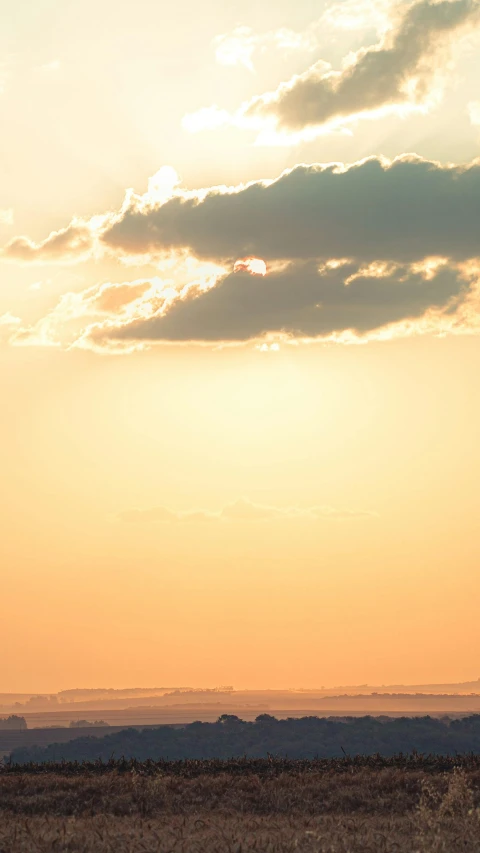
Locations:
column 350, row 806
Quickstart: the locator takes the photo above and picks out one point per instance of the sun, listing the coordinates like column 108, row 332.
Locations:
column 255, row 266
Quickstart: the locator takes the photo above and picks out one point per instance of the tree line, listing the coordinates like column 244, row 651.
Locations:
column 13, row 722
column 304, row 737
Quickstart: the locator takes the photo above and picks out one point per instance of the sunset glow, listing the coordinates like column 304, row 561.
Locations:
column 252, row 265
column 239, row 440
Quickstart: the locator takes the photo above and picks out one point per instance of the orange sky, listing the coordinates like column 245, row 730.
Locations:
column 214, row 477
column 90, row 599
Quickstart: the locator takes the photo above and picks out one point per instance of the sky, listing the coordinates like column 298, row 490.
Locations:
column 239, row 319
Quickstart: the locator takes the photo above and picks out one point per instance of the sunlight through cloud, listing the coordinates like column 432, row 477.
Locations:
column 255, row 266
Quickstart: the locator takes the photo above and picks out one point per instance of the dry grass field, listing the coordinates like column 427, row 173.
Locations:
column 235, row 807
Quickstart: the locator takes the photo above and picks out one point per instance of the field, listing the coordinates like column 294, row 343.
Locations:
column 187, row 714
column 396, row 805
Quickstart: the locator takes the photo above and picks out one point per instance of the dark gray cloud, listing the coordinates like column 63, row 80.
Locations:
column 301, row 301
column 402, row 211
column 379, row 75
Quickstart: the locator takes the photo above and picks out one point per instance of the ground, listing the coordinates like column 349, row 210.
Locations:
column 236, row 807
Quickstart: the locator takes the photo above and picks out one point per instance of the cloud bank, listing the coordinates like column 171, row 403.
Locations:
column 349, row 250
column 401, row 210
column 301, row 301
column 334, row 301
column 376, row 209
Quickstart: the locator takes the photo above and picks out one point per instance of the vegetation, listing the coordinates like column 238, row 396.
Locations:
column 402, row 804
column 401, row 801
column 306, row 737
column 85, row 724
column 13, row 722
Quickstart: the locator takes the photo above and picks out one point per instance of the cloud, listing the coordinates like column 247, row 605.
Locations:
column 239, row 46
column 378, row 248
column 354, row 15
column 9, row 324
column 37, row 285
column 117, row 303
column 4, row 76
column 473, row 109
column 376, row 209
column 244, row 510
column 352, row 252
column 404, row 72
column 162, row 515
column 6, row 216
column 401, row 210
column 302, row 301
column 71, row 244
column 109, row 305
column 207, row 118
column 240, row 510
column 53, row 65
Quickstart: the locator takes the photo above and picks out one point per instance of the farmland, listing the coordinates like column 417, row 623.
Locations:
column 402, row 803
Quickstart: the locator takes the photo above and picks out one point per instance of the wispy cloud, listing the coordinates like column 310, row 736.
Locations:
column 6, row 216
column 9, row 326
column 473, row 109
column 241, row 46
column 37, row 285
column 241, row 510
column 53, row 65
column 5, row 72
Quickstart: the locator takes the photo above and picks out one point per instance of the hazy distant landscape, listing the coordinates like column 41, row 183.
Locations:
column 462, row 697
column 30, row 721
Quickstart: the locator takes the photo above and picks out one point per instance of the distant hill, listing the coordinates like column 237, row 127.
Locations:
column 306, row 737
column 419, row 697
